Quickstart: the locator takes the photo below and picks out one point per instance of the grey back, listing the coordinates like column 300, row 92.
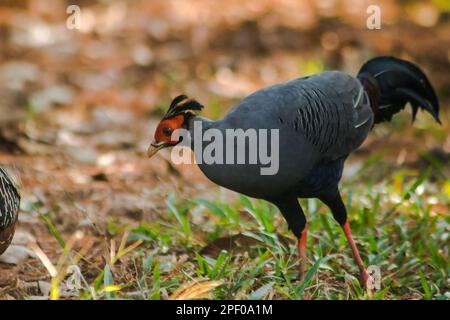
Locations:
column 320, row 119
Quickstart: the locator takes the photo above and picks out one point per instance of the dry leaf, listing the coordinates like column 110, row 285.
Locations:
column 195, row 290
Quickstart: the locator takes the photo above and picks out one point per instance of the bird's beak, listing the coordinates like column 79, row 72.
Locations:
column 155, row 147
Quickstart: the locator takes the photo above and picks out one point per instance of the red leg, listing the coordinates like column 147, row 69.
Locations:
column 301, row 246
column 365, row 277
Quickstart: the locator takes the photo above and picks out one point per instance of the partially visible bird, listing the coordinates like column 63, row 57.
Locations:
column 321, row 119
column 9, row 209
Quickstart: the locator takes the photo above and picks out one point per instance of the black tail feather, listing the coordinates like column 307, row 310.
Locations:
column 392, row 83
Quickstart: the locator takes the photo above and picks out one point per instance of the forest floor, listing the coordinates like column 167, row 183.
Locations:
column 99, row 220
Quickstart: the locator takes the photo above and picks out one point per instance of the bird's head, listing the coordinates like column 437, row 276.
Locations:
column 180, row 111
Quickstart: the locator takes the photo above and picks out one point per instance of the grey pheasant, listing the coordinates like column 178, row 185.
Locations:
column 321, row 119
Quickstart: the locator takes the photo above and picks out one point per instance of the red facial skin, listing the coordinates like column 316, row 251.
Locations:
column 161, row 134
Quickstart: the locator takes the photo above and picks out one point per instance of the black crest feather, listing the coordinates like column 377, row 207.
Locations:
column 182, row 104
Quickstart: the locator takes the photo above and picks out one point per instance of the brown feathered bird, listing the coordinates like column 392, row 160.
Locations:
column 9, row 209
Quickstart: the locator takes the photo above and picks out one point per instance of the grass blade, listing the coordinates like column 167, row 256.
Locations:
column 309, row 275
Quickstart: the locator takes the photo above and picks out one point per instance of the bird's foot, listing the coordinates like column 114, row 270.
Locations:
column 367, row 282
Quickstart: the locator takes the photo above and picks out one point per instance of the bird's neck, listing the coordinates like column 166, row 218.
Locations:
column 197, row 127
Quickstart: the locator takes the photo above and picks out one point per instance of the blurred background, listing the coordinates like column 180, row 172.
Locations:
column 79, row 106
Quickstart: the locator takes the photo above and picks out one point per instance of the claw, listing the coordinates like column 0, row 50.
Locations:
column 367, row 282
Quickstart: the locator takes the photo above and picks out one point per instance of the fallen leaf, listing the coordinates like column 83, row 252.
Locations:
column 195, row 290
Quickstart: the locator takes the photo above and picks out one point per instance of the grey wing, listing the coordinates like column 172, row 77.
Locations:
column 332, row 111
column 329, row 111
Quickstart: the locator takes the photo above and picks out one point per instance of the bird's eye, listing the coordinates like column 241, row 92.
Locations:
column 167, row 131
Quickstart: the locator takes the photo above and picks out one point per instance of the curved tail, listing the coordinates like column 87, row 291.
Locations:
column 392, row 82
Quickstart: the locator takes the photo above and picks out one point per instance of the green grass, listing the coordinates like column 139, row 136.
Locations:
column 397, row 214
column 393, row 221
